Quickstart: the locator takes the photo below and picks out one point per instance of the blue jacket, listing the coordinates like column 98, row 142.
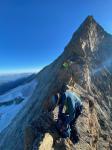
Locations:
column 73, row 105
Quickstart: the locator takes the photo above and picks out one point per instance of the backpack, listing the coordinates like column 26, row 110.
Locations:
column 73, row 106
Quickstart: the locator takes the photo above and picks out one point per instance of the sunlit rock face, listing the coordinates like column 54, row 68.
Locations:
column 86, row 67
column 87, row 38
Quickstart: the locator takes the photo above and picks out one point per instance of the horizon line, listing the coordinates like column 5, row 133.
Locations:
column 18, row 71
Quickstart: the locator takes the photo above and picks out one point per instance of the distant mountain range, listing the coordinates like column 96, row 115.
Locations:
column 11, row 77
column 9, row 82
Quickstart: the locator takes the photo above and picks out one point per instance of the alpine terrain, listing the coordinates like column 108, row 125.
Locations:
column 86, row 67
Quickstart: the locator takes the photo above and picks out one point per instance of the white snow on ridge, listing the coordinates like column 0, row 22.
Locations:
column 7, row 113
column 22, row 91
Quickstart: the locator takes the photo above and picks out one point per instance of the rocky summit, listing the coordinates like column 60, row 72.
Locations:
column 86, row 67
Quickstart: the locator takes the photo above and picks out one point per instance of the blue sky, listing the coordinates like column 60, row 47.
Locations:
column 34, row 32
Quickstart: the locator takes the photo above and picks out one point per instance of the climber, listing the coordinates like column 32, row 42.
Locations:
column 70, row 107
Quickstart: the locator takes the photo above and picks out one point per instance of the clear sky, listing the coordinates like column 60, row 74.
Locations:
column 34, row 32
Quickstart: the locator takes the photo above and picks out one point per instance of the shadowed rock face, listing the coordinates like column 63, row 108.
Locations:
column 86, row 66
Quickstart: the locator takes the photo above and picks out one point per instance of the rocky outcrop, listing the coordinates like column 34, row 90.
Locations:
column 47, row 142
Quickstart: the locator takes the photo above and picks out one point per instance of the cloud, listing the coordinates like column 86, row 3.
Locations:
column 106, row 64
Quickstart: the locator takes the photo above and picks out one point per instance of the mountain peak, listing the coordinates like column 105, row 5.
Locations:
column 89, row 24
column 90, row 19
column 87, row 38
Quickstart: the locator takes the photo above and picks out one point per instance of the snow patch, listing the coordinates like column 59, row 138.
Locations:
column 22, row 91
column 7, row 113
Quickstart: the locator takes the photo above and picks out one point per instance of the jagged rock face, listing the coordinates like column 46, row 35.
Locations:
column 94, row 48
column 87, row 38
column 87, row 67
